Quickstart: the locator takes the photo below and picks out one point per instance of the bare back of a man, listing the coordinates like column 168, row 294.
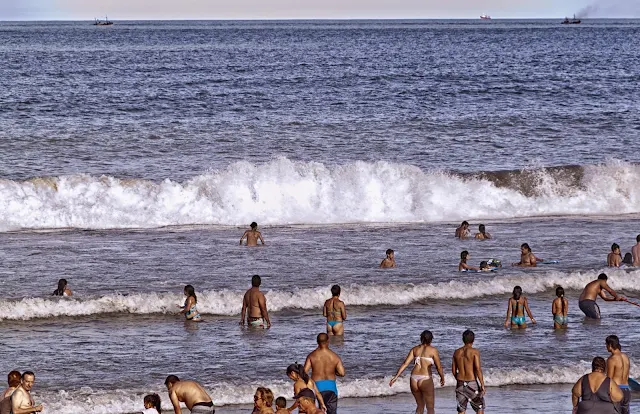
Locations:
column 635, row 252
column 618, row 370
column 252, row 236
column 467, row 370
column 191, row 393
column 254, row 305
column 325, row 366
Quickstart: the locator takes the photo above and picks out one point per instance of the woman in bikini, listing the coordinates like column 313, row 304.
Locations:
column 424, row 356
column 518, row 304
column 559, row 309
column 301, row 381
column 190, row 309
column 335, row 312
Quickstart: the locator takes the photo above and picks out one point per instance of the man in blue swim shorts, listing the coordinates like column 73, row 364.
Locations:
column 324, row 365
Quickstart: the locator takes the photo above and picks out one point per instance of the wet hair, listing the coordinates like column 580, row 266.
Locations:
column 281, row 402
column 614, row 246
column 517, row 292
column 62, row 285
column 190, row 291
column 638, row 238
column 14, row 378
column 613, row 342
column 426, row 337
column 560, row 294
column 628, row 258
column 256, row 281
column 463, row 256
column 322, row 338
column 154, row 400
column 298, row 369
column 602, row 276
column 468, row 336
column 335, row 290
column 253, row 225
column 389, row 251
column 599, row 364
column 484, row 264
column 266, row 394
column 24, row 374
column 464, row 223
column 171, row 379
column 525, row 246
column 481, row 229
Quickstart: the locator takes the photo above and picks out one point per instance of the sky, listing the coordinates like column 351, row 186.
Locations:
column 310, row 9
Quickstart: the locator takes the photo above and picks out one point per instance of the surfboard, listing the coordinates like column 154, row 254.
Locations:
column 493, row 269
column 634, row 385
column 549, row 262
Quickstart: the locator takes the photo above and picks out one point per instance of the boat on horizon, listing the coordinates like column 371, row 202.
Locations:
column 571, row 21
column 485, row 17
column 105, row 22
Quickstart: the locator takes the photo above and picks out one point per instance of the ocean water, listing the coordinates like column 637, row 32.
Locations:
column 134, row 156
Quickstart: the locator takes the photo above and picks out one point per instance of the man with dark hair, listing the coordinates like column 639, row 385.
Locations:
column 335, row 312
column 527, row 258
column 307, row 401
column 325, row 365
column 468, row 373
column 21, row 401
column 605, row 396
column 618, row 370
column 635, row 252
column 462, row 232
column 256, row 303
column 587, row 301
column 189, row 392
column 388, row 261
column 252, row 235
column 14, row 379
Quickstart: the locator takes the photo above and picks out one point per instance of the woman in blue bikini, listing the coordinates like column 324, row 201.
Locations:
column 335, row 312
column 518, row 304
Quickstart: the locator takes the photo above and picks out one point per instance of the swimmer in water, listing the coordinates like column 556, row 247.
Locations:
column 527, row 258
column 482, row 235
column 559, row 309
column 462, row 232
column 516, row 308
column 190, row 309
column 63, row 289
column 464, row 256
column 614, row 259
column 628, row 259
column 335, row 312
column 252, row 235
column 587, row 301
column 388, row 261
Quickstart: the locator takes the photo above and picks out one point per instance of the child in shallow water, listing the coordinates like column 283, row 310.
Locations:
column 516, row 308
column 464, row 255
column 559, row 309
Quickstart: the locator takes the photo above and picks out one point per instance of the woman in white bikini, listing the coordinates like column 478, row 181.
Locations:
column 424, row 356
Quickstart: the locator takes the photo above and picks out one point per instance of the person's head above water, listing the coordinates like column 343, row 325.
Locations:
column 615, row 247
column 468, row 337
column 190, row 291
column 463, row 256
column 389, row 252
column 14, row 378
column 484, row 265
column 613, row 342
column 481, row 229
column 322, row 339
column 560, row 292
column 525, row 246
column 62, row 285
column 628, row 258
column 335, row 290
column 465, row 224
column 256, row 281
column 253, row 225
column 426, row 337
column 598, row 365
column 517, row 292
column 638, row 238
column 602, row 276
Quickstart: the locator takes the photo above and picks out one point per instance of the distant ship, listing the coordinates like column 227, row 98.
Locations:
column 571, row 21
column 106, row 22
column 485, row 17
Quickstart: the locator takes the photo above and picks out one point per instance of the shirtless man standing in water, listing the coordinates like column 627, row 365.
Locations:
column 618, row 370
column 255, row 301
column 388, row 261
column 325, row 365
column 335, row 312
column 21, row 401
column 468, row 373
column 635, row 251
column 527, row 258
column 189, row 392
column 587, row 301
column 252, row 235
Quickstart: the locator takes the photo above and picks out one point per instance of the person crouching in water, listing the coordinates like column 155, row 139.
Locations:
column 190, row 309
column 518, row 304
column 464, row 256
column 559, row 309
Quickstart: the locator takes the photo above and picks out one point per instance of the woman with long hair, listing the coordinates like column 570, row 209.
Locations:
column 462, row 266
column 559, row 309
column 190, row 309
column 516, row 308
column 301, row 380
column 152, row 404
column 63, row 289
column 424, row 356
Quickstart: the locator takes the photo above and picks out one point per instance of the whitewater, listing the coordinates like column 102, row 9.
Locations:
column 284, row 191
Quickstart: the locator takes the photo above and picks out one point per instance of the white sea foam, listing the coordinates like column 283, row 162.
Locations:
column 287, row 192
column 227, row 302
column 91, row 401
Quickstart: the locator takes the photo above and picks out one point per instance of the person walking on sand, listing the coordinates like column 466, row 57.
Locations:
column 618, row 370
column 325, row 365
column 190, row 393
column 388, row 261
column 559, row 309
column 252, row 235
column 424, row 357
column 254, row 306
column 335, row 312
column 587, row 302
column 467, row 370
column 516, row 307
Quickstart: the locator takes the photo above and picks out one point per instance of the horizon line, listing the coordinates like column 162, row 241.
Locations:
column 318, row 19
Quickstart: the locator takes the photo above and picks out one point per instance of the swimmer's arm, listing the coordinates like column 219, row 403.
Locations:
column 175, row 402
column 526, row 308
column 438, row 364
column 244, row 310
column 343, row 312
column 262, row 302
column 260, row 237
column 506, row 321
column 576, row 393
column 340, row 368
column 324, row 310
column 404, row 366
column 318, row 396
column 554, row 308
column 533, row 260
column 244, row 236
column 382, row 263
column 478, row 370
column 612, row 292
column 187, row 306
column 307, row 365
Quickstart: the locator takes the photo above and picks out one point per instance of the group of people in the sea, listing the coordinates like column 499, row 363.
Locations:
column 603, row 391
